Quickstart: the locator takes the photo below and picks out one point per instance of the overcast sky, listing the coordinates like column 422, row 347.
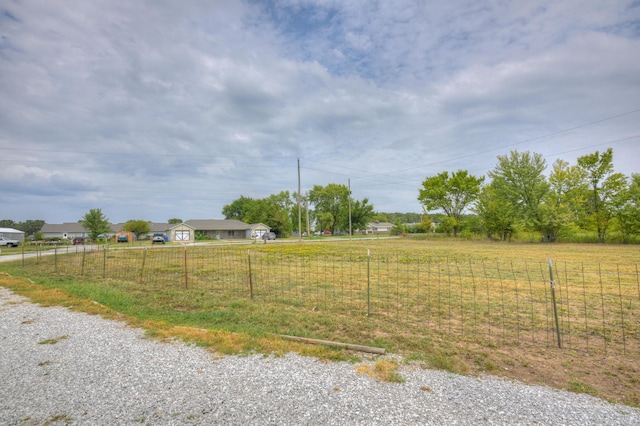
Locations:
column 160, row 109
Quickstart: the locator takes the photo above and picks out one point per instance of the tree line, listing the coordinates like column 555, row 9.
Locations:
column 323, row 208
column 586, row 196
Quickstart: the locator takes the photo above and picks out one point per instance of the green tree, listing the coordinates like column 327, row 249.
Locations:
column 628, row 214
column 7, row 223
column 174, row 221
column 562, row 203
column 605, row 193
column 425, row 225
column 361, row 214
column 278, row 208
column 138, row 227
column 30, row 227
column 518, row 179
column 239, row 209
column 450, row 194
column 96, row 223
column 497, row 215
column 331, row 205
column 273, row 211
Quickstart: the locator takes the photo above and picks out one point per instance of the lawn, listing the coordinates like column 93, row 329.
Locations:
column 468, row 307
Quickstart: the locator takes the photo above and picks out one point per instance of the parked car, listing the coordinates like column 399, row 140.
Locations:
column 269, row 236
column 326, row 233
column 158, row 238
column 9, row 243
column 123, row 238
column 78, row 240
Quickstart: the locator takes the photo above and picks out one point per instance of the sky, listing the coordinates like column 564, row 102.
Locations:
column 163, row 109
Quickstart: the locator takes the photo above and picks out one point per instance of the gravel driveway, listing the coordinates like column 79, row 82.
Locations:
column 64, row 367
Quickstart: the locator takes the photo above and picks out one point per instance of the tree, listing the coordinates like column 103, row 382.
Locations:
column 239, row 209
column 272, row 211
column 561, row 204
column 518, row 179
column 30, row 227
column 497, row 215
column 96, row 223
column 629, row 214
column 174, row 221
column 450, row 194
column 138, row 227
column 331, row 204
column 361, row 214
column 7, row 223
column 605, row 191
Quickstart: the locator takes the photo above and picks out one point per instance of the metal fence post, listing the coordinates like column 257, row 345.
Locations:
column 368, row 282
column 250, row 274
column 186, row 275
column 553, row 300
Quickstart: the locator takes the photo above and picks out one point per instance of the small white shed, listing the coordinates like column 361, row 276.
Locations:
column 12, row 234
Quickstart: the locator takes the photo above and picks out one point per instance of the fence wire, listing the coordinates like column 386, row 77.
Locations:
column 497, row 303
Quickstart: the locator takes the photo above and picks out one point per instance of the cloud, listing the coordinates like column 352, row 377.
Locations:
column 164, row 109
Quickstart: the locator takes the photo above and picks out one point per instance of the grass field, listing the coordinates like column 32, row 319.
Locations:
column 461, row 306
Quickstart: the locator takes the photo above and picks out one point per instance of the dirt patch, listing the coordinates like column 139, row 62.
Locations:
column 613, row 378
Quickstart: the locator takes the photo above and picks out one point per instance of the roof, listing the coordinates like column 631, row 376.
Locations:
column 380, row 225
column 11, row 231
column 217, row 225
column 159, row 227
column 63, row 227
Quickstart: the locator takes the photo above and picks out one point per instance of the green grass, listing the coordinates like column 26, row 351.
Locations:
column 426, row 299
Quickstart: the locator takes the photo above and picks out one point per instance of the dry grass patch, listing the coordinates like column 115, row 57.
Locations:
column 384, row 370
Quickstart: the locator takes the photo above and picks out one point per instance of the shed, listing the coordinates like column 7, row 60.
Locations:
column 182, row 233
column 12, row 234
column 258, row 230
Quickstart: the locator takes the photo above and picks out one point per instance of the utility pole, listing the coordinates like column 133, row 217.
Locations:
column 306, row 201
column 349, row 181
column 299, row 208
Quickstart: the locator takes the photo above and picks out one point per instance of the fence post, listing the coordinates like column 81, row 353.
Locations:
column 368, row 282
column 144, row 258
column 104, row 261
column 250, row 274
column 84, row 250
column 55, row 259
column 553, row 300
column 186, row 274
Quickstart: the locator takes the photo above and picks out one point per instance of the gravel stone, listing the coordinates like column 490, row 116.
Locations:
column 63, row 367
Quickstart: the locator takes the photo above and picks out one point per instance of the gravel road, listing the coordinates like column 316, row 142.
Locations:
column 64, row 367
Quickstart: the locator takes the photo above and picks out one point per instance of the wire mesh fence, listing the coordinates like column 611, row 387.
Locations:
column 589, row 307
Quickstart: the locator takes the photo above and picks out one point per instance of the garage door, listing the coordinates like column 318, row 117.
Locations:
column 183, row 235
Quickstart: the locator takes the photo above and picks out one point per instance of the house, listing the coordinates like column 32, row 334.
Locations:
column 379, row 227
column 223, row 229
column 12, row 234
column 182, row 232
column 67, row 230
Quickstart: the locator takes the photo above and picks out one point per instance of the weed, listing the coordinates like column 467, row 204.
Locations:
column 52, row 341
column 384, row 371
column 66, row 419
column 580, row 387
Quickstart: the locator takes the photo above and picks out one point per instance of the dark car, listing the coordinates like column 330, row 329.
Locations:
column 158, row 238
column 269, row 236
column 123, row 238
column 78, row 240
